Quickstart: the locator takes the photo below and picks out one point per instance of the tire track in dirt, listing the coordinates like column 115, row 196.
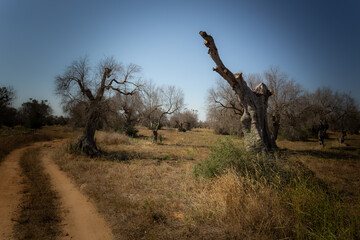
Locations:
column 80, row 218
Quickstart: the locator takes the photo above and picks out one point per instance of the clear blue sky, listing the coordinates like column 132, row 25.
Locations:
column 315, row 42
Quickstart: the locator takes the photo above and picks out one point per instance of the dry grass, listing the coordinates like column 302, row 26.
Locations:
column 241, row 209
column 336, row 164
column 39, row 213
column 113, row 138
column 154, row 195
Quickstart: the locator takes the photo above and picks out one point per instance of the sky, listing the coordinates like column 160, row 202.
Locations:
column 317, row 43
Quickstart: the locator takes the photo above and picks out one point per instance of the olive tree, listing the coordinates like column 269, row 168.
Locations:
column 254, row 102
column 34, row 113
column 127, row 111
column 159, row 102
column 224, row 110
column 80, row 82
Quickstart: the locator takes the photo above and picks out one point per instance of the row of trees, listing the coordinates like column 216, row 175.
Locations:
column 32, row 114
column 111, row 95
column 293, row 112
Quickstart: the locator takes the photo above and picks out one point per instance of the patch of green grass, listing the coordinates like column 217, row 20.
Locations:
column 226, row 155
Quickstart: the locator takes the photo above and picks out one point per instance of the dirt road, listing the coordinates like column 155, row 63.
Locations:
column 80, row 218
column 10, row 191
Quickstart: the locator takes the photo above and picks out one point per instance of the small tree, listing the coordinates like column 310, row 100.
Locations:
column 34, row 114
column 224, row 109
column 286, row 94
column 254, row 102
column 81, row 83
column 7, row 113
column 158, row 103
column 185, row 120
column 127, row 112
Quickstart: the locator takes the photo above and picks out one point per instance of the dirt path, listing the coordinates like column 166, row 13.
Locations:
column 81, row 220
column 10, row 187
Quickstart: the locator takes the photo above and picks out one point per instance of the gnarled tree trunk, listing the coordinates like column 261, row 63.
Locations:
column 255, row 102
column 86, row 142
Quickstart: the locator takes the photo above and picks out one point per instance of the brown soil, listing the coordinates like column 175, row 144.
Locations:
column 10, row 187
column 80, row 218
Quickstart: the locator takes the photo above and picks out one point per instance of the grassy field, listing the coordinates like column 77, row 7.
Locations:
column 150, row 191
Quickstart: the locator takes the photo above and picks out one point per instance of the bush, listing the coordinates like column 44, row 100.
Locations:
column 225, row 155
column 126, row 128
column 295, row 134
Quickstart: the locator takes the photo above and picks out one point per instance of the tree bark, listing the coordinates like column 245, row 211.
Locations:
column 86, row 142
column 255, row 102
column 156, row 130
column 155, row 133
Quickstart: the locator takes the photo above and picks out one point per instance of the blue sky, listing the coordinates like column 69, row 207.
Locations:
column 315, row 42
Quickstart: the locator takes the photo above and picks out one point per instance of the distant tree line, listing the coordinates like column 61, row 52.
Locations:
column 151, row 106
column 32, row 114
column 293, row 112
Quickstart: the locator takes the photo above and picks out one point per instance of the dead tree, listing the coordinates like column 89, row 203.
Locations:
column 342, row 137
column 158, row 103
column 77, row 84
column 254, row 102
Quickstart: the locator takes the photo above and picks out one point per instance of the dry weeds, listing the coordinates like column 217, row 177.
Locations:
column 241, row 208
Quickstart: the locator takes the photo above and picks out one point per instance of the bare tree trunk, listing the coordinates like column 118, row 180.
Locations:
column 155, row 133
column 276, row 126
column 255, row 102
column 86, row 142
column 342, row 137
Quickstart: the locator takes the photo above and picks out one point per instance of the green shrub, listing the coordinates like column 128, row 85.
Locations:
column 226, row 155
